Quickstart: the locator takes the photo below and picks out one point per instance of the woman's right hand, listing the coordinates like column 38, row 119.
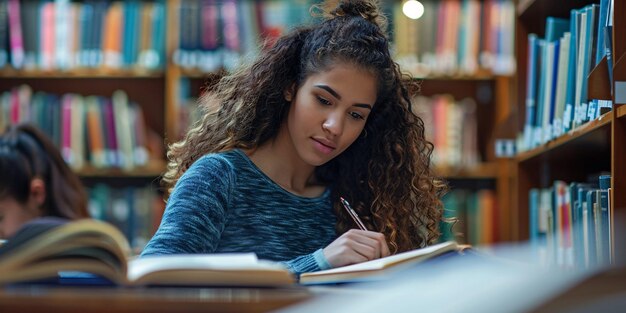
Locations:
column 356, row 246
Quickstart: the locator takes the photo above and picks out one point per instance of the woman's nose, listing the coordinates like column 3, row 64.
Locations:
column 333, row 124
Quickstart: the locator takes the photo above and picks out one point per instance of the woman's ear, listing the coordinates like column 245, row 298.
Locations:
column 290, row 92
column 38, row 191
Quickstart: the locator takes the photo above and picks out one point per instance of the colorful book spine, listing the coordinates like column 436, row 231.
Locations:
column 62, row 34
column 47, row 36
column 15, row 34
column 4, row 35
column 66, row 131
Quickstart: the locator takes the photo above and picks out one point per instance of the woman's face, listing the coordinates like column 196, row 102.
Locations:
column 329, row 112
column 13, row 215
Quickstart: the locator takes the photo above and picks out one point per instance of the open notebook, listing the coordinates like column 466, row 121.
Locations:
column 379, row 268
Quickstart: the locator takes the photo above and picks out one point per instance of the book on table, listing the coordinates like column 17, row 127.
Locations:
column 45, row 249
column 383, row 268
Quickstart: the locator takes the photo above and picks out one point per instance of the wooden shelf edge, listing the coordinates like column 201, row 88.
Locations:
column 81, row 73
column 523, row 5
column 619, row 75
column 570, row 136
column 488, row 170
column 481, row 74
column 196, row 73
column 153, row 169
column 620, row 111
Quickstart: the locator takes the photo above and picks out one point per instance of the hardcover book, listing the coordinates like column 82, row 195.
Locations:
column 48, row 248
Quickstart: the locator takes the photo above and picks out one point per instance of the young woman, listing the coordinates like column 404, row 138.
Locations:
column 323, row 114
column 35, row 181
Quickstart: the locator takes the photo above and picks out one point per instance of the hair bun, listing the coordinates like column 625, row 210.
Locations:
column 367, row 9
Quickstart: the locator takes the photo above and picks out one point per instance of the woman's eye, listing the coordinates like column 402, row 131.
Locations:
column 356, row 115
column 323, row 101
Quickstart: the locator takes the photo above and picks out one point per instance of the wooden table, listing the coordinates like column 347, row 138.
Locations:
column 112, row 299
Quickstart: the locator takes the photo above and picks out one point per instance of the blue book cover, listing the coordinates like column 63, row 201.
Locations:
column 590, row 228
column 555, row 76
column 608, row 42
column 533, row 207
column 547, row 79
column 158, row 35
column 97, row 56
column 577, row 193
column 54, row 104
column 86, row 21
column 593, row 35
column 555, row 28
column 531, row 87
column 603, row 12
column 131, row 223
column 131, row 33
column 571, row 79
column 542, row 59
column 587, row 55
column 605, row 185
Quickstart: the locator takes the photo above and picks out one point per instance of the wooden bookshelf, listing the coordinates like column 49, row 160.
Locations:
column 154, row 168
column 81, row 73
column 157, row 92
column 585, row 152
column 620, row 111
column 533, row 13
column 479, row 75
column 592, row 135
column 487, row 170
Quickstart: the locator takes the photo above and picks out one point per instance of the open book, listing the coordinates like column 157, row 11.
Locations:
column 379, row 268
column 43, row 249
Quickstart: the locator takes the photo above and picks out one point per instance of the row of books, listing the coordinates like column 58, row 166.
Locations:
column 104, row 132
column 558, row 67
column 457, row 37
column 569, row 223
column 216, row 34
column 63, row 35
column 135, row 211
column 475, row 214
column 451, row 126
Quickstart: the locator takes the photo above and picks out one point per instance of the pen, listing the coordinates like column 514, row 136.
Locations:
column 352, row 214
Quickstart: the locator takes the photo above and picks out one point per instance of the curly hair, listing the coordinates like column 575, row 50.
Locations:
column 385, row 173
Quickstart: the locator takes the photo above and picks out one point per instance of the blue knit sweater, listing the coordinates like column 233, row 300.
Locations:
column 224, row 203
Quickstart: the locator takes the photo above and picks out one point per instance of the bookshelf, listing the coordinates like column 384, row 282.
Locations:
column 157, row 91
column 451, row 54
column 586, row 151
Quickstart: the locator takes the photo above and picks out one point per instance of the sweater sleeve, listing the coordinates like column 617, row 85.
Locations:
column 313, row 262
column 194, row 217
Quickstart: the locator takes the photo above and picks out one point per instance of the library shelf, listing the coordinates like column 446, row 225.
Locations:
column 533, row 13
column 485, row 170
column 154, row 168
column 478, row 75
column 82, row 73
column 620, row 111
column 595, row 134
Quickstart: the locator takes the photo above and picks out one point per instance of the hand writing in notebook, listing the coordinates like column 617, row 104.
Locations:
column 356, row 245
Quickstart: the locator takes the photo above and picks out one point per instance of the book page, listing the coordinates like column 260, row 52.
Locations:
column 222, row 261
column 224, row 269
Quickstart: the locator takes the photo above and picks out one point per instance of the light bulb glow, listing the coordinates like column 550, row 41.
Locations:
column 413, row 9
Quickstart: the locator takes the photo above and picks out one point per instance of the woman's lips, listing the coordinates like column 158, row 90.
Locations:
column 323, row 146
